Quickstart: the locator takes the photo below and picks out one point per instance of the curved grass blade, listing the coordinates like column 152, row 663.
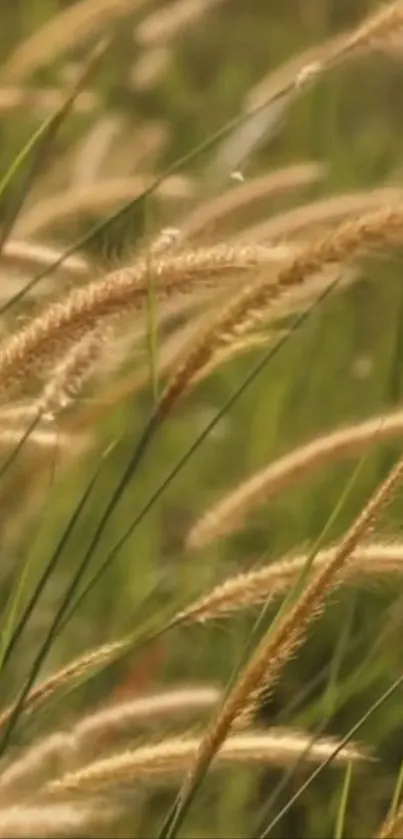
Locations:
column 41, row 144
column 187, row 794
column 12, row 606
column 360, row 639
column 396, row 796
column 249, row 379
column 343, row 742
column 136, row 203
column 18, row 446
column 49, row 569
column 342, row 810
column 66, row 602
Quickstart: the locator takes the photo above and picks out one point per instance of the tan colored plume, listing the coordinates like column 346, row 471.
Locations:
column 230, row 513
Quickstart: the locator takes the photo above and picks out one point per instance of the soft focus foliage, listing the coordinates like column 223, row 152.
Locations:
column 156, row 94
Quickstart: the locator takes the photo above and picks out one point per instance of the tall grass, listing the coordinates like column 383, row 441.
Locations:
column 200, row 381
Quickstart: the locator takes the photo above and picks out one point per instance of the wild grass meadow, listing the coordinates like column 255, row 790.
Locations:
column 201, row 418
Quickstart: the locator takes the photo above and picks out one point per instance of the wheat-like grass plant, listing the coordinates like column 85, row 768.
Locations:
column 47, row 99
column 252, row 588
column 42, row 438
column 276, row 647
column 37, row 821
column 380, row 30
column 277, row 747
column 71, row 673
column 197, row 307
column 79, row 743
column 308, row 220
column 71, row 373
column 207, row 215
column 392, row 826
column 72, row 26
column 95, row 198
column 25, row 255
column 65, row 322
column 166, row 23
column 284, row 77
column 380, row 228
column 229, row 514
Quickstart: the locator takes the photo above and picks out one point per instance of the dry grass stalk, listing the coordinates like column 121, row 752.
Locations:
column 43, row 438
column 42, row 820
column 310, row 218
column 25, row 775
column 259, row 586
column 150, row 68
column 277, row 646
column 368, row 231
column 379, row 30
column 96, row 198
column 166, row 23
column 167, row 355
column 107, row 150
column 284, row 76
column 170, row 348
column 94, row 148
column 167, row 352
column 392, row 826
column 92, row 411
column 63, row 386
column 276, row 746
column 66, row 30
column 47, row 99
column 146, row 709
column 71, row 373
column 168, row 239
column 32, row 255
column 228, row 354
column 73, row 672
column 229, row 514
column 63, row 323
column 267, row 103
column 61, row 751
column 207, row 215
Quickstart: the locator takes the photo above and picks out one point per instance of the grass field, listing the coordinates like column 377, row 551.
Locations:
column 201, row 377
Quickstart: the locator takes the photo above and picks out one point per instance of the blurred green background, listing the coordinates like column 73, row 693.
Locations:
column 342, row 365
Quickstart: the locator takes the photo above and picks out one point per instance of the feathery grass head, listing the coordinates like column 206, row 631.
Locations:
column 175, row 755
column 251, row 588
column 381, row 228
column 120, row 292
column 213, row 269
column 229, row 514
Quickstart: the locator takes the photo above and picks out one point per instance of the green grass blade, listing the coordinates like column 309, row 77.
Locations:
column 398, row 683
column 40, row 143
column 183, row 802
column 249, row 379
column 65, row 606
column 49, row 569
column 135, row 203
column 342, row 648
column 13, row 604
column 342, row 810
column 396, row 795
column 45, row 647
